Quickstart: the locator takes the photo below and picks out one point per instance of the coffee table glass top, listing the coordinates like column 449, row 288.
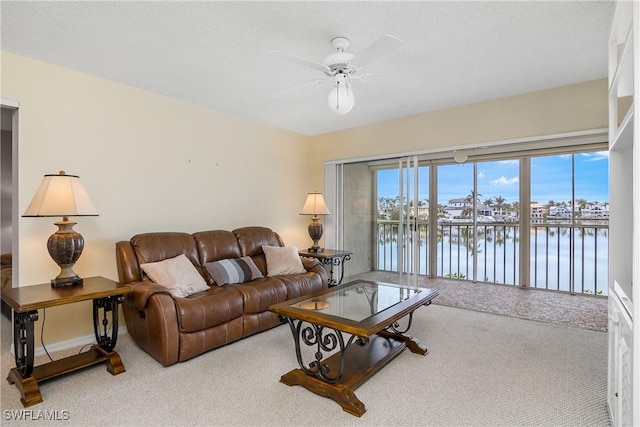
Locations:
column 358, row 300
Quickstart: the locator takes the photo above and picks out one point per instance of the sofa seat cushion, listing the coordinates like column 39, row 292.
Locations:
column 208, row 309
column 194, row 343
column 301, row 284
column 259, row 294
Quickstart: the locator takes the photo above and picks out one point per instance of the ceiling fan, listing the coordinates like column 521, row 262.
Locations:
column 340, row 68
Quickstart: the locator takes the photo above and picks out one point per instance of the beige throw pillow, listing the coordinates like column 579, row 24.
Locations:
column 283, row 261
column 177, row 274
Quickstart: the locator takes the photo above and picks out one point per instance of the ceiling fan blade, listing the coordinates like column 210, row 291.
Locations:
column 288, row 90
column 378, row 48
column 286, row 56
column 367, row 77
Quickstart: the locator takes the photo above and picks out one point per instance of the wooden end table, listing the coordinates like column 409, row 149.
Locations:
column 330, row 257
column 27, row 300
column 369, row 313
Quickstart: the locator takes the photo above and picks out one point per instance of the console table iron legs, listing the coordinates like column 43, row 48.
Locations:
column 337, row 261
column 331, row 258
column 106, row 295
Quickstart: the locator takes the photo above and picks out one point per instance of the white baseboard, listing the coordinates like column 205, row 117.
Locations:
column 87, row 340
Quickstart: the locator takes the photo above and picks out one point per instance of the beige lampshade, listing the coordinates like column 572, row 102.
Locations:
column 315, row 205
column 61, row 195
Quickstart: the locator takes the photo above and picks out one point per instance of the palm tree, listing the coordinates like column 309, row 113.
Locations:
column 582, row 203
column 472, row 196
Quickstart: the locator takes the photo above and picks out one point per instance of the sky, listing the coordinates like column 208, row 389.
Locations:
column 550, row 179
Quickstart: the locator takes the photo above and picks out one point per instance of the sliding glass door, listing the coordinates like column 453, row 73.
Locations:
column 409, row 237
column 533, row 218
column 402, row 217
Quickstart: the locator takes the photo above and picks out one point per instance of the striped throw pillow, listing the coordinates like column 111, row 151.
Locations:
column 230, row 271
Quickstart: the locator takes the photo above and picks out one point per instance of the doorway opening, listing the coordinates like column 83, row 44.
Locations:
column 8, row 199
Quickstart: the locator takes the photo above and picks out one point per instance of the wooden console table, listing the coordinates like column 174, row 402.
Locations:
column 27, row 300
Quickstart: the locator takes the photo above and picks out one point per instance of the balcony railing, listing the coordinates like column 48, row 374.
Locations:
column 563, row 257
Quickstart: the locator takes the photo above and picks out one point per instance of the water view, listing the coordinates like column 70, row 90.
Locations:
column 553, row 265
column 568, row 214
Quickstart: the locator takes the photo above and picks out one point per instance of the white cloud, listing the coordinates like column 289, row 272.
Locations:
column 512, row 162
column 596, row 156
column 480, row 174
column 505, row 181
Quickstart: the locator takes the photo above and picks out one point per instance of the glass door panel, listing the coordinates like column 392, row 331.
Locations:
column 497, row 228
column 387, row 219
column 402, row 195
column 551, row 213
column 590, row 234
column 455, row 221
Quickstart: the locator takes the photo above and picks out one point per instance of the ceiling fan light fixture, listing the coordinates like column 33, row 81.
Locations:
column 339, row 66
column 341, row 99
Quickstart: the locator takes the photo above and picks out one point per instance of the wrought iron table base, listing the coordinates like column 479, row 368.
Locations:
column 338, row 375
column 335, row 262
column 26, row 377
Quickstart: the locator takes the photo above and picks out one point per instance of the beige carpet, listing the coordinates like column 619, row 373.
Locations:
column 482, row 370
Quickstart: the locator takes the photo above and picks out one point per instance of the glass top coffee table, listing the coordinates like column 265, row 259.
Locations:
column 369, row 314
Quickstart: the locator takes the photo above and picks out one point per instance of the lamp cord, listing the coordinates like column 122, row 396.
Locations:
column 44, row 317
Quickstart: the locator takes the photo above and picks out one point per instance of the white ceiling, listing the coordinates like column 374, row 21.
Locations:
column 215, row 53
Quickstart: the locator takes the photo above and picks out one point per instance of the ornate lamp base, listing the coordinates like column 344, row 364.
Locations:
column 315, row 232
column 65, row 247
column 70, row 281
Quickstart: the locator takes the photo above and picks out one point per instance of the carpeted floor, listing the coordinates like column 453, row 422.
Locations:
column 482, row 369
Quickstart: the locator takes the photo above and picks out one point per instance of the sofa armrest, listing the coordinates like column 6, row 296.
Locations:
column 309, row 263
column 142, row 291
column 313, row 265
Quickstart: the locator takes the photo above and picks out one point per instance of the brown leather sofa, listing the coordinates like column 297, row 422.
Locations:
column 174, row 329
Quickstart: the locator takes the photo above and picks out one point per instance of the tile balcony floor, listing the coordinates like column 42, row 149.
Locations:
column 582, row 311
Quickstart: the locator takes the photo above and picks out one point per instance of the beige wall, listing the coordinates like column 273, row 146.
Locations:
column 571, row 108
column 149, row 163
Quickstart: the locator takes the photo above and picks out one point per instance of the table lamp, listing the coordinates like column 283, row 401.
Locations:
column 315, row 205
column 63, row 195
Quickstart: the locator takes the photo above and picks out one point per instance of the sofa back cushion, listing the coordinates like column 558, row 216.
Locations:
column 154, row 247
column 215, row 245
column 251, row 240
